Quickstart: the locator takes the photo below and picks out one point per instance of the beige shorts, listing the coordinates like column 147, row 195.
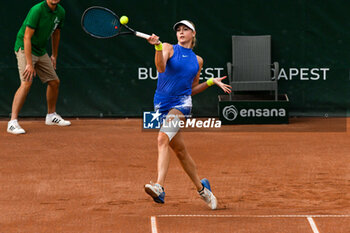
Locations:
column 42, row 65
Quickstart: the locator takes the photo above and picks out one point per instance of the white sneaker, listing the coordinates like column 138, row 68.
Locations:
column 55, row 119
column 207, row 195
column 156, row 191
column 14, row 128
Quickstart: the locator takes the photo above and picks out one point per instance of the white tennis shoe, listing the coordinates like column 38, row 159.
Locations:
column 207, row 195
column 156, row 191
column 55, row 119
column 14, row 128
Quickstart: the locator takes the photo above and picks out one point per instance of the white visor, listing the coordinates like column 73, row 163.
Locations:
column 186, row 23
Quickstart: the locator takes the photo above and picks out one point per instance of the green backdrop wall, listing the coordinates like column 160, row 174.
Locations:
column 310, row 40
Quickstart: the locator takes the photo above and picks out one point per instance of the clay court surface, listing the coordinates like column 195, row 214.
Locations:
column 89, row 178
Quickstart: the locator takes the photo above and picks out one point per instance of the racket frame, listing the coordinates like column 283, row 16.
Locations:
column 129, row 32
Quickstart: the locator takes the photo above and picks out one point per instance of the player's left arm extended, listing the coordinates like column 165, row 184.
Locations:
column 199, row 87
column 55, row 41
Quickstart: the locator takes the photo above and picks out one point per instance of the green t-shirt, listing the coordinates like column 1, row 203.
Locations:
column 44, row 21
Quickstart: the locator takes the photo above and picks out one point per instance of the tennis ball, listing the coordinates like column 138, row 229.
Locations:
column 124, row 20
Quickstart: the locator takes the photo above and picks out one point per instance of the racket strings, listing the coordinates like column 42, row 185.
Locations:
column 101, row 23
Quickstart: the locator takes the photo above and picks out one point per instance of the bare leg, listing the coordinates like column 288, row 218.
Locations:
column 178, row 145
column 52, row 95
column 164, row 153
column 163, row 157
column 19, row 99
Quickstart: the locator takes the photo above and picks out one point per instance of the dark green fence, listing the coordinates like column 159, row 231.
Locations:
column 116, row 77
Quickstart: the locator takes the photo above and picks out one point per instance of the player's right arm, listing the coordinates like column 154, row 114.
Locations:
column 161, row 56
column 29, row 71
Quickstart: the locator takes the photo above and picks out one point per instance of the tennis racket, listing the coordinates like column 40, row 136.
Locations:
column 101, row 22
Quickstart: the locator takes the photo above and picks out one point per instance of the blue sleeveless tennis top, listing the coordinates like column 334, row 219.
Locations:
column 179, row 73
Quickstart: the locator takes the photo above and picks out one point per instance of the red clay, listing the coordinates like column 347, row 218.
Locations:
column 89, row 177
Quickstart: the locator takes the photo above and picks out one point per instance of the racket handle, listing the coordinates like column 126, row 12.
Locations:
column 142, row 35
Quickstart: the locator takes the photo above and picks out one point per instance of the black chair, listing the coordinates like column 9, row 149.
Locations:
column 251, row 68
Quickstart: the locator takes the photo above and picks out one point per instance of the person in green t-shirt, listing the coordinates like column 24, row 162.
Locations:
column 44, row 21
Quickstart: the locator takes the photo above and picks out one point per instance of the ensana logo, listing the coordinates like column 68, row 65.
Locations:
column 263, row 112
column 230, row 113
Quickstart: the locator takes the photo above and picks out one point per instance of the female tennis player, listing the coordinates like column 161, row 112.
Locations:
column 179, row 70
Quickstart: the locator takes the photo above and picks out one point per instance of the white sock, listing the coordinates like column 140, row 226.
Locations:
column 13, row 121
column 51, row 114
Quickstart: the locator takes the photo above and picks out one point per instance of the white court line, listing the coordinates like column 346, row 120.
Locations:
column 255, row 216
column 154, row 224
column 313, row 225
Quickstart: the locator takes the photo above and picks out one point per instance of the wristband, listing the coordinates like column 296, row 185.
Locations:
column 158, row 47
column 210, row 82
